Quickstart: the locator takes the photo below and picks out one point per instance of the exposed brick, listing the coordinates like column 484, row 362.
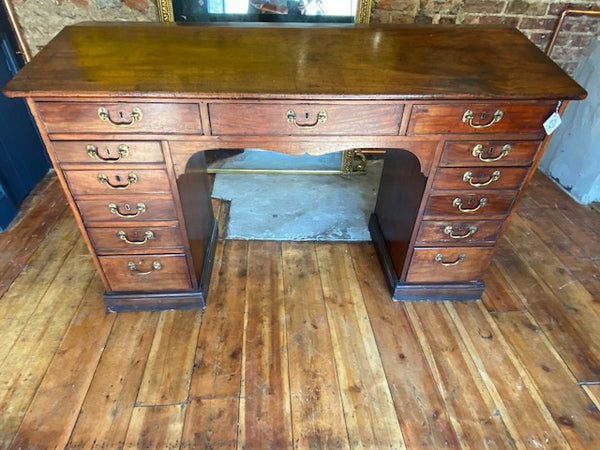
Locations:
column 401, row 18
column 499, row 20
column 105, row 4
column 80, row 3
column 470, row 19
column 581, row 24
column 570, row 67
column 391, row 17
column 423, row 19
column 573, row 39
column 449, row 20
column 138, row 5
column 567, row 53
column 529, row 23
column 444, row 7
column 556, row 9
column 397, row 5
column 484, row 6
column 527, row 7
column 539, row 39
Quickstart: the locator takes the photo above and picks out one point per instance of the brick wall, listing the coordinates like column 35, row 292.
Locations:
column 535, row 18
column 40, row 20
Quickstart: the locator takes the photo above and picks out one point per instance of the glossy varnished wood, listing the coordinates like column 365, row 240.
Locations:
column 423, row 93
column 294, row 62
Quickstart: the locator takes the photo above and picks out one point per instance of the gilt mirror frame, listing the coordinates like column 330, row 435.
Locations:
column 166, row 11
column 352, row 161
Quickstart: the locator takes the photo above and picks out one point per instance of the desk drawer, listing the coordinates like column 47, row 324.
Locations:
column 146, row 272
column 441, row 264
column 453, row 232
column 483, row 203
column 126, row 117
column 476, row 178
column 107, row 152
column 117, row 181
column 136, row 239
column 479, row 118
column 125, row 208
column 489, row 153
column 304, row 119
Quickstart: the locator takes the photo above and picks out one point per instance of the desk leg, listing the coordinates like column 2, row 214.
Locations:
column 401, row 194
column 196, row 220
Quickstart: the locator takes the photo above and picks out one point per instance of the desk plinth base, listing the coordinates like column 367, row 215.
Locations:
column 159, row 301
column 436, row 292
column 154, row 301
column 411, row 292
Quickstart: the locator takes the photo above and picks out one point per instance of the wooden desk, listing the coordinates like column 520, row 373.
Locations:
column 126, row 111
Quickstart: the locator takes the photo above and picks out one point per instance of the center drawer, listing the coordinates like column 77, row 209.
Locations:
column 304, row 119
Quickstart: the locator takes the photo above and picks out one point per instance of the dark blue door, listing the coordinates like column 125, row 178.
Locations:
column 23, row 160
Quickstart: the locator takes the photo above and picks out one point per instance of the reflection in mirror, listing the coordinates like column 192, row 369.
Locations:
column 310, row 11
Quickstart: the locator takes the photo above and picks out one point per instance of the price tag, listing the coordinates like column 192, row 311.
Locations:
column 553, row 122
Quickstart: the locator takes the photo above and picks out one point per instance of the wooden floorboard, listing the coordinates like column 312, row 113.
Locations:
column 301, row 347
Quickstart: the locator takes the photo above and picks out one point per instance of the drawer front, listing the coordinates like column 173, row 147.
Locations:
column 126, row 117
column 453, row 232
column 117, row 181
column 489, row 203
column 489, row 153
column 107, row 152
column 146, row 272
column 455, row 264
column 477, row 178
column 479, row 118
column 136, row 239
column 304, row 119
column 127, row 208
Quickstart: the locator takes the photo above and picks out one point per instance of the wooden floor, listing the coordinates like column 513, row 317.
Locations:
column 300, row 346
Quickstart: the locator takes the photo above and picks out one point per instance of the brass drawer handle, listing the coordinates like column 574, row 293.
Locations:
column 291, row 118
column 131, row 179
column 449, row 230
column 135, row 115
column 458, row 204
column 478, row 152
column 439, row 258
column 155, row 266
column 468, row 118
column 92, row 151
column 147, row 235
column 468, row 178
column 140, row 209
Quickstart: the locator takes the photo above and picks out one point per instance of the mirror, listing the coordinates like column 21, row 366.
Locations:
column 309, row 11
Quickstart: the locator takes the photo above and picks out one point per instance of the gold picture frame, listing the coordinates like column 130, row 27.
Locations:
column 166, row 14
